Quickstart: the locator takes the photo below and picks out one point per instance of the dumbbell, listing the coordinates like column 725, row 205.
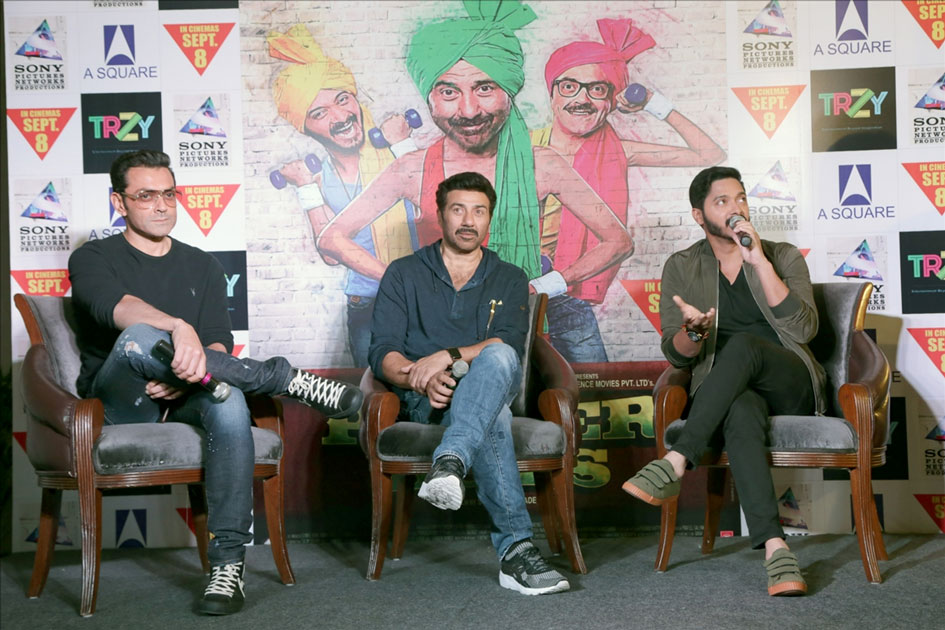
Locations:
column 635, row 94
column 277, row 179
column 378, row 139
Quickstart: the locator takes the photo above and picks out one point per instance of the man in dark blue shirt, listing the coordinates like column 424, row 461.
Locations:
column 455, row 302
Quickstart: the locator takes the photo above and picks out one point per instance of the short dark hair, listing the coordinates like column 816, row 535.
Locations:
column 699, row 188
column 465, row 181
column 125, row 161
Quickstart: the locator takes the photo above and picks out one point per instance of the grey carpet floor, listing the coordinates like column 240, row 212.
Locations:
column 453, row 584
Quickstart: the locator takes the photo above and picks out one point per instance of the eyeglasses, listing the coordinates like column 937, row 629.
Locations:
column 597, row 90
column 149, row 198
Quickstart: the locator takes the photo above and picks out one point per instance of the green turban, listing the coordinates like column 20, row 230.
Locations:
column 486, row 40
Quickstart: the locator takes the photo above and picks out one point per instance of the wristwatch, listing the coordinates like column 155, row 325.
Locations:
column 694, row 336
column 455, row 354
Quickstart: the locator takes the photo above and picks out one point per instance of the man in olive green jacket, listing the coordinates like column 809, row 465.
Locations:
column 738, row 311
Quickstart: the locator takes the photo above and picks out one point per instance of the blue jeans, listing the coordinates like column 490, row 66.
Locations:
column 573, row 330
column 360, row 314
column 229, row 457
column 478, row 432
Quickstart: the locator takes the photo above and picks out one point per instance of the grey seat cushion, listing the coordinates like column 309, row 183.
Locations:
column 823, row 434
column 125, row 448
column 414, row 442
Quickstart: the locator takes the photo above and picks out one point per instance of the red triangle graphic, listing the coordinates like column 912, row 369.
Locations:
column 932, row 341
column 205, row 204
column 804, row 251
column 769, row 105
column 934, row 504
column 930, row 177
column 237, row 348
column 43, row 281
column 646, row 293
column 199, row 42
column 41, row 127
column 20, row 437
column 188, row 515
column 930, row 14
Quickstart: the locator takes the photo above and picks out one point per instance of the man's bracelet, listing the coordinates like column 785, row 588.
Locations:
column 405, row 146
column 552, row 283
column 659, row 106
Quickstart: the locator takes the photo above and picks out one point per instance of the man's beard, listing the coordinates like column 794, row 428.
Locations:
column 714, row 228
column 453, row 128
column 331, row 144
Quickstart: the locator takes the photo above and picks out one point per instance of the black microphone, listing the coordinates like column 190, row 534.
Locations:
column 734, row 220
column 459, row 370
column 219, row 391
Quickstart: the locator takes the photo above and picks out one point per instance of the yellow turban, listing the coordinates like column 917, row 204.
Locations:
column 308, row 72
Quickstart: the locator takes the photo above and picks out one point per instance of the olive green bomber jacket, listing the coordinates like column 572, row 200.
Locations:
column 693, row 275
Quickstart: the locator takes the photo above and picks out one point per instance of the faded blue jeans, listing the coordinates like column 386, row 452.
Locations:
column 229, row 457
column 573, row 330
column 478, row 432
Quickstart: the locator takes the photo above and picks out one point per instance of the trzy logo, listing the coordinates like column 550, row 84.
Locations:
column 837, row 103
column 124, row 127
column 119, row 45
column 856, row 185
column 852, row 20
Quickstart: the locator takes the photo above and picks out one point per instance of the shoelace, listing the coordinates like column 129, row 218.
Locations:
column 224, row 580
column 315, row 387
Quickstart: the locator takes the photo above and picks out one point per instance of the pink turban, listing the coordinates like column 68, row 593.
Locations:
column 622, row 42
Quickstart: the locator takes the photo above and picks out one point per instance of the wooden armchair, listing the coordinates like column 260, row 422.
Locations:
column 71, row 448
column 852, row 435
column 545, row 430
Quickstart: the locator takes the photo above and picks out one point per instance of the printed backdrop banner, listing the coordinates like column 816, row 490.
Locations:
column 833, row 111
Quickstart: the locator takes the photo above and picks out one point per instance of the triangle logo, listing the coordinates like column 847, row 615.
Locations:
column 205, row 204
column 199, row 42
column 40, row 45
column 205, row 121
column 934, row 505
column 43, row 281
column 646, row 294
column 46, row 206
column 935, row 97
column 41, row 127
column 929, row 17
column 769, row 105
column 930, row 177
column 859, row 264
column 932, row 341
column 769, row 21
column 774, row 185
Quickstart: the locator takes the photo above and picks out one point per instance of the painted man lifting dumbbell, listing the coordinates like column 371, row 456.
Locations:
column 318, row 96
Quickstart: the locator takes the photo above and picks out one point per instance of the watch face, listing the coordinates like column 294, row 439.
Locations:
column 694, row 336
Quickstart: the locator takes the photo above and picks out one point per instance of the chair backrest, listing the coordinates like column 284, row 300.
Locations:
column 537, row 303
column 841, row 307
column 50, row 320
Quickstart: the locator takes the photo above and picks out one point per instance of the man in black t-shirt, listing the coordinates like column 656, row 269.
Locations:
column 738, row 311
column 138, row 288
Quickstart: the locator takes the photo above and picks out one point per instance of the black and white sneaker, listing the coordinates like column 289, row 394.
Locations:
column 443, row 486
column 524, row 570
column 224, row 594
column 333, row 398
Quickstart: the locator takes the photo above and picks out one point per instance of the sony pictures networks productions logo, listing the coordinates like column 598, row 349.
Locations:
column 767, row 41
column 42, row 66
column 202, row 137
column 120, row 59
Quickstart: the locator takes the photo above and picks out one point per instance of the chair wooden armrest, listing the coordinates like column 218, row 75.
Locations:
column 378, row 411
column 869, row 368
column 558, row 400
column 266, row 412
column 670, row 395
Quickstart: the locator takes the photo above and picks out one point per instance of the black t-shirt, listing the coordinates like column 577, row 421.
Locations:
column 186, row 282
column 738, row 312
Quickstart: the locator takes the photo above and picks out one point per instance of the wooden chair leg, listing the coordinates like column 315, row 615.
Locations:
column 667, row 532
column 546, row 502
column 46, row 542
column 563, row 493
column 862, row 491
column 198, row 511
column 403, row 508
column 275, row 520
column 715, row 497
column 381, row 491
column 90, row 516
